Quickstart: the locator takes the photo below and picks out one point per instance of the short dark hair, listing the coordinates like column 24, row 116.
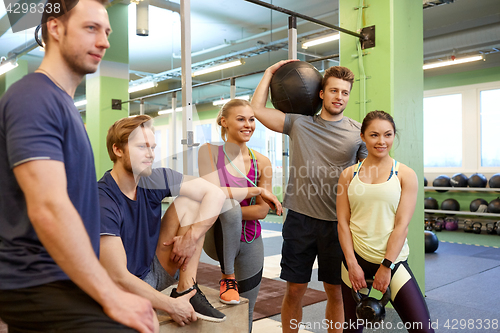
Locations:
column 119, row 132
column 65, row 8
column 371, row 116
column 338, row 72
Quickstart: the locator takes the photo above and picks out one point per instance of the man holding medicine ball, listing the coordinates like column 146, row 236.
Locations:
column 322, row 145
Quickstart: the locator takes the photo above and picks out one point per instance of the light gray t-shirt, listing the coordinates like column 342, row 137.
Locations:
column 320, row 151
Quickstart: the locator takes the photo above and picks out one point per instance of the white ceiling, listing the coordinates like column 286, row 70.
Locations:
column 220, row 27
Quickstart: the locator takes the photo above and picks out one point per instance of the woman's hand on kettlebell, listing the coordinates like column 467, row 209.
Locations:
column 382, row 279
column 357, row 277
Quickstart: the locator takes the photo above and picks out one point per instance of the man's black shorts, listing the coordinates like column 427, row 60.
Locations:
column 55, row 307
column 304, row 238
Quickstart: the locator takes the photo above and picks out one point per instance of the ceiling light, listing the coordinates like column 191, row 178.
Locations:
column 81, row 103
column 168, row 111
column 452, row 62
column 320, row 40
column 219, row 67
column 142, row 86
column 224, row 101
column 7, row 66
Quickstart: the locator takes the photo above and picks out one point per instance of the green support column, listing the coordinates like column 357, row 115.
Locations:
column 7, row 79
column 109, row 82
column 394, row 84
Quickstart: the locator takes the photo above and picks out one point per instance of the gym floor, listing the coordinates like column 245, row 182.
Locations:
column 461, row 287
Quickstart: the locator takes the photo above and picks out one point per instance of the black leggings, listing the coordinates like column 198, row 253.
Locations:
column 406, row 298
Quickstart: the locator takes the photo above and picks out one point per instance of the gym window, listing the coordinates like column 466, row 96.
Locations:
column 490, row 118
column 443, row 131
column 461, row 129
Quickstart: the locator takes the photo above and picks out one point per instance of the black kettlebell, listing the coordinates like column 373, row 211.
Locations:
column 368, row 308
column 440, row 222
column 468, row 226
column 491, row 228
column 428, row 225
column 438, row 225
column 476, row 227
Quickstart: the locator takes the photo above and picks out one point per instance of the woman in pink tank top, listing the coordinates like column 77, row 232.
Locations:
column 245, row 176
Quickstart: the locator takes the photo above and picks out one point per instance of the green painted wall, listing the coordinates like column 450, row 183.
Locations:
column 407, row 109
column 209, row 113
column 100, row 116
column 16, row 74
column 110, row 82
column 203, row 112
column 7, row 79
column 394, row 84
column 2, row 85
column 118, row 40
column 463, row 78
column 162, row 120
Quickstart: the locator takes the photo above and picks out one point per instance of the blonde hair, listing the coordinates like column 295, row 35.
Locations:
column 224, row 112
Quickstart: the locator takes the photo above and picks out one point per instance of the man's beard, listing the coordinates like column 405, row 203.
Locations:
column 146, row 172
column 76, row 64
column 329, row 110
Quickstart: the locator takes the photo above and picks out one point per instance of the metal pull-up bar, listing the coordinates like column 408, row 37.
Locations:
column 118, row 102
column 367, row 38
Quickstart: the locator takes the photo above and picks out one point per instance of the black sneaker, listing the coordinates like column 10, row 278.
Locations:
column 204, row 310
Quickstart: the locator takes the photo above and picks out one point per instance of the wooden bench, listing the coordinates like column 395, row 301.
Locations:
column 236, row 317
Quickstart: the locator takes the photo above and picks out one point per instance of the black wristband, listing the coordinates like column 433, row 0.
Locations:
column 387, row 263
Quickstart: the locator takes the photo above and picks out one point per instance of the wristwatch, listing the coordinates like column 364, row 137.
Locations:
column 387, row 263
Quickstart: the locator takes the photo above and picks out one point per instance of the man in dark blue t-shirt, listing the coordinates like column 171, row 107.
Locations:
column 50, row 276
column 141, row 250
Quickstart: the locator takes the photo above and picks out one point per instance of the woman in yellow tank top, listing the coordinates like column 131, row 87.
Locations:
column 375, row 203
